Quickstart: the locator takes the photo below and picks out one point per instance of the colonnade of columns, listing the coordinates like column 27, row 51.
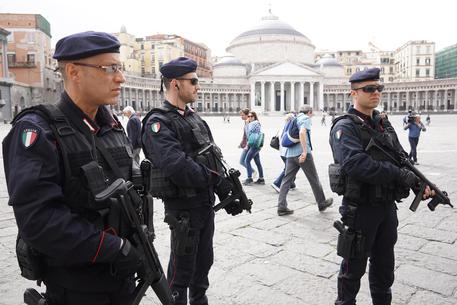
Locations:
column 287, row 95
column 392, row 101
column 145, row 99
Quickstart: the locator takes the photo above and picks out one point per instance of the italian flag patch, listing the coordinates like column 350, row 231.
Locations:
column 155, row 127
column 29, row 137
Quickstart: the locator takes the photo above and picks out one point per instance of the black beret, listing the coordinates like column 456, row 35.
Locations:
column 85, row 44
column 178, row 67
column 361, row 76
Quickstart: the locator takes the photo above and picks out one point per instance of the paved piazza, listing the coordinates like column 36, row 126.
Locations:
column 264, row 259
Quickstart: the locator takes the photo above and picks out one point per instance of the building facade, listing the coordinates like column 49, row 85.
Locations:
column 446, row 63
column 29, row 60
column 273, row 69
column 144, row 56
column 415, row 61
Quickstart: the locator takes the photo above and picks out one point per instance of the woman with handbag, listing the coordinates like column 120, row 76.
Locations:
column 255, row 143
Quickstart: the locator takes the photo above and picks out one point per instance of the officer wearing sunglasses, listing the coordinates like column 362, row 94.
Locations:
column 370, row 185
column 178, row 142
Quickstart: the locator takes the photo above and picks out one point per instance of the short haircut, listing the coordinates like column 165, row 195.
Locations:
column 129, row 109
column 166, row 82
column 244, row 111
column 306, row 109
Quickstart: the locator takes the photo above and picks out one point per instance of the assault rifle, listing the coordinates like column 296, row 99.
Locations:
column 237, row 193
column 402, row 160
column 123, row 192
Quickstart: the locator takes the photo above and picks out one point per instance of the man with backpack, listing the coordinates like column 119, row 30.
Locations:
column 297, row 139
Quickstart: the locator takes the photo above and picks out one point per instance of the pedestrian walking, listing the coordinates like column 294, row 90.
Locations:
column 300, row 156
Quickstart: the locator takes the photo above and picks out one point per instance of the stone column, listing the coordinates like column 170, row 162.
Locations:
column 321, row 94
column 252, row 96
column 272, row 97
column 311, row 95
column 292, row 96
column 301, row 96
column 262, row 95
column 5, row 59
column 281, row 108
column 445, row 99
column 455, row 99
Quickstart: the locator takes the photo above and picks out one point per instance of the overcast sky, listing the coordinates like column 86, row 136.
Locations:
column 330, row 24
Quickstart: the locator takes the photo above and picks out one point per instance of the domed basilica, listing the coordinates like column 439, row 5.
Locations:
column 277, row 63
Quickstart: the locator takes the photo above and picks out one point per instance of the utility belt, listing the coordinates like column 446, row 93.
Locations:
column 359, row 192
column 161, row 185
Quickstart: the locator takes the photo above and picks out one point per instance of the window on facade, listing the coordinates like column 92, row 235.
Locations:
column 428, row 49
column 391, row 79
column 31, row 58
column 418, row 49
column 391, row 70
column 418, row 61
column 427, row 72
column 417, row 72
column 11, row 59
column 427, row 61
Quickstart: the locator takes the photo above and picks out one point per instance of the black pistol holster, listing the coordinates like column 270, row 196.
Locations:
column 351, row 243
column 30, row 261
column 183, row 236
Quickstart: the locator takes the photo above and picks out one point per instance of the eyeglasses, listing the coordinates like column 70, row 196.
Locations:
column 108, row 69
column 371, row 88
column 193, row 81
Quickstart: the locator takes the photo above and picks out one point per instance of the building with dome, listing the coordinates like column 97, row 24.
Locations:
column 277, row 62
column 271, row 69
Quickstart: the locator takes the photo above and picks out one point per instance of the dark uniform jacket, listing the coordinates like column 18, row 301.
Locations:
column 171, row 151
column 346, row 140
column 47, row 212
column 134, row 131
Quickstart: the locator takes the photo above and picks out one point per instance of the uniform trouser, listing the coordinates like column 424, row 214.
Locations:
column 58, row 295
column 190, row 271
column 379, row 226
column 413, row 143
column 308, row 167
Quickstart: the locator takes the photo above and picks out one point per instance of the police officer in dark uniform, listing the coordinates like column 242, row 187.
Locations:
column 55, row 160
column 180, row 145
column 370, row 185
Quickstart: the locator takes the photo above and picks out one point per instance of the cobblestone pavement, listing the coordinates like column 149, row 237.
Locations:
column 264, row 259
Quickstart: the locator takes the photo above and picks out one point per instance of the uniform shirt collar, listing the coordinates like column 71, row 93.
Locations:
column 366, row 118
column 103, row 118
column 183, row 112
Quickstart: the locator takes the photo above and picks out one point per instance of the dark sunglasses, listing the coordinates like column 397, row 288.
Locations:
column 371, row 88
column 193, row 81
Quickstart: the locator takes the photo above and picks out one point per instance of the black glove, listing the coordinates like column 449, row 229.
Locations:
column 127, row 262
column 407, row 178
column 401, row 193
column 223, row 188
column 234, row 208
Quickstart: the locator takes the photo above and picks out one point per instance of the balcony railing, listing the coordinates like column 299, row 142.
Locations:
column 22, row 64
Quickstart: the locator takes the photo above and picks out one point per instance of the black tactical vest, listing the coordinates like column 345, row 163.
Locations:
column 365, row 193
column 84, row 167
column 194, row 135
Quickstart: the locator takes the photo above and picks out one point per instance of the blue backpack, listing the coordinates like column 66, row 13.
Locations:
column 290, row 135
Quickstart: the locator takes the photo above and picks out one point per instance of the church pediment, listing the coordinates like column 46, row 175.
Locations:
column 286, row 69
